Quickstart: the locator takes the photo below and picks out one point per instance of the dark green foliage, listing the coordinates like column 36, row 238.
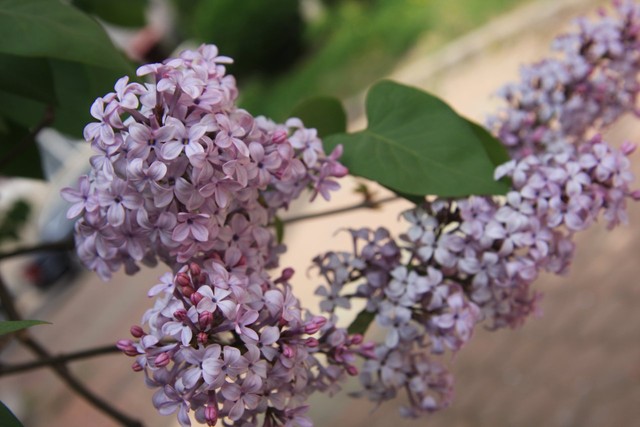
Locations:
column 323, row 113
column 263, row 37
column 125, row 13
column 11, row 326
column 7, row 419
column 13, row 220
column 416, row 144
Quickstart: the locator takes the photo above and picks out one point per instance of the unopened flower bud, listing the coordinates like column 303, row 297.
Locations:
column 352, row 370
column 211, row 415
column 203, row 338
column 137, row 331
column 279, row 136
column 195, row 269
column 312, row 342
column 356, row 339
column 338, row 170
column 126, row 346
column 628, row 147
column 205, row 319
column 137, row 367
column 368, row 350
column 311, row 328
column 162, row 359
column 180, row 315
column 183, row 280
column 195, row 298
column 287, row 351
column 187, row 291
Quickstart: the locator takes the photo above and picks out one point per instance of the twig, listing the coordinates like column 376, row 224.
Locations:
column 60, row 359
column 59, row 367
column 367, row 204
column 64, row 245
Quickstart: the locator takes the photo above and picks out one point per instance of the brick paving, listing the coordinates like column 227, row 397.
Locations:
column 577, row 365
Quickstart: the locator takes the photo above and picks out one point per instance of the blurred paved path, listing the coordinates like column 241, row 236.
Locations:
column 579, row 365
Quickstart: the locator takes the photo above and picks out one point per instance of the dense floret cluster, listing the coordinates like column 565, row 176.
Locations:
column 469, row 260
column 184, row 176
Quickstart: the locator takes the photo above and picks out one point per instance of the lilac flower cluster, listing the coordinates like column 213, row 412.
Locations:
column 235, row 347
column 181, row 172
column 464, row 261
column 184, row 176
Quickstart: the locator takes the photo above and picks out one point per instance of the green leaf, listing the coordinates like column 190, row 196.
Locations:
column 25, row 162
column 11, row 326
column 28, row 77
column 52, row 29
column 416, row 144
column 361, row 323
column 495, row 150
column 325, row 114
column 20, row 110
column 14, row 220
column 77, row 86
column 125, row 13
column 7, row 419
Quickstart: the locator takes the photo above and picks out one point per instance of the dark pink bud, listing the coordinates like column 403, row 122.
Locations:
column 320, row 320
column 311, row 328
column 368, row 350
column 628, row 147
column 126, row 346
column 312, row 342
column 187, row 291
column 196, row 298
column 287, row 273
column 180, row 315
column 287, row 351
column 356, row 339
column 137, row 331
column 137, row 367
column 183, row 280
column 162, row 359
column 211, row 415
column 279, row 136
column 195, row 269
column 339, row 170
column 635, row 195
column 203, row 338
column 352, row 370
column 205, row 319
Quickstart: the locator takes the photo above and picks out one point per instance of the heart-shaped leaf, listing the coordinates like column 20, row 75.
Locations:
column 416, row 144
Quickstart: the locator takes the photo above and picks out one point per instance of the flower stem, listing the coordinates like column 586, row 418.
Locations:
column 63, row 245
column 367, row 204
column 62, row 358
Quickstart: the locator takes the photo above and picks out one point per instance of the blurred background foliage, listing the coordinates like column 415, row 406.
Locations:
column 55, row 58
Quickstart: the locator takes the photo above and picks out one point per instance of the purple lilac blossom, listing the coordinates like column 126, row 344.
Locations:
column 466, row 261
column 184, row 176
